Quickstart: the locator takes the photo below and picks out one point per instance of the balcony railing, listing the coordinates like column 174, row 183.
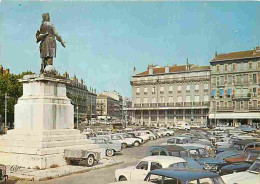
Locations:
column 197, row 103
column 194, row 78
column 137, row 105
column 187, row 103
column 225, row 108
column 170, row 104
column 161, row 104
column 179, row 104
column 254, row 108
column 239, row 96
column 145, row 105
column 153, row 104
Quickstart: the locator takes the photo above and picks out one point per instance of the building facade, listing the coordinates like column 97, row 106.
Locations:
column 83, row 99
column 163, row 96
column 107, row 107
column 235, row 88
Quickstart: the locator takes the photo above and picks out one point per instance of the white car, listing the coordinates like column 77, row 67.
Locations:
column 250, row 176
column 142, row 135
column 120, row 138
column 136, row 140
column 167, row 132
column 147, row 164
column 182, row 125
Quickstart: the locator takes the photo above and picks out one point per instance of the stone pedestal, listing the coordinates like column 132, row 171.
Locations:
column 43, row 125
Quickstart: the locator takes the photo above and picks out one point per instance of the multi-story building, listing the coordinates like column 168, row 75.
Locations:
column 115, row 95
column 4, row 71
column 127, row 103
column 83, row 99
column 235, row 88
column 162, row 96
column 107, row 107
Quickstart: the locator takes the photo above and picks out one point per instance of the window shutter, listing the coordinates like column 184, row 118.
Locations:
column 258, row 92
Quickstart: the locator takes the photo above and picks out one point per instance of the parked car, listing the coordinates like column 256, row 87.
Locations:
column 183, row 176
column 124, row 142
column 77, row 156
column 142, row 134
column 250, row 176
column 160, row 132
column 167, row 132
column 250, row 155
column 147, row 164
column 136, row 140
column 182, row 125
column 247, row 128
column 110, row 147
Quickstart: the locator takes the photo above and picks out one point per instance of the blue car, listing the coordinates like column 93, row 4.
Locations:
column 246, row 128
column 194, row 156
column 182, row 176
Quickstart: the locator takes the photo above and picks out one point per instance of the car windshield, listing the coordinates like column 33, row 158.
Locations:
column 198, row 153
column 126, row 136
column 255, row 167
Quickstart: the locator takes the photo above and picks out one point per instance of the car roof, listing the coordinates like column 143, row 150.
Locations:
column 164, row 159
column 245, row 141
column 169, row 148
column 184, row 174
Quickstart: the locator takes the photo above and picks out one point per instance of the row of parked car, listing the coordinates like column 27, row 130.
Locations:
column 113, row 142
column 199, row 157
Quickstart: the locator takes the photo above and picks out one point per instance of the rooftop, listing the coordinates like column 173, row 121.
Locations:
column 172, row 69
column 237, row 55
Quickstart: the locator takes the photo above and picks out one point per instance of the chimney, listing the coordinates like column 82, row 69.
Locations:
column 134, row 71
column 167, row 69
column 150, row 69
column 216, row 54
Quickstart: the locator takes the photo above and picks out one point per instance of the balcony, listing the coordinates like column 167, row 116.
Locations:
column 225, row 108
column 179, row 104
column 145, row 105
column 153, row 104
column 170, row 104
column 241, row 96
column 254, row 108
column 187, row 104
column 205, row 103
column 137, row 105
column 197, row 103
column 161, row 104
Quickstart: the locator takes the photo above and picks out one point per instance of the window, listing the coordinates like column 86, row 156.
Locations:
column 137, row 90
column 214, row 68
column 170, row 99
column 187, row 98
column 206, row 86
column 226, row 67
column 188, row 88
column 142, row 165
column 254, row 78
column 161, row 90
column 220, row 92
column 179, row 99
column 245, row 66
column 254, row 92
column 238, row 79
column 214, row 80
column 229, row 67
column 153, row 90
column 155, row 165
column 197, row 87
column 218, row 68
column 213, row 93
column 170, row 89
column 197, row 98
column 145, row 100
column 221, row 80
column 145, row 91
column 179, row 88
column 206, row 98
column 153, row 100
column 229, row 79
column 138, row 100
column 250, row 65
column 234, row 67
column 162, row 99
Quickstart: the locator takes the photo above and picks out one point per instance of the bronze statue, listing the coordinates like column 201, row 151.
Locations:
column 46, row 36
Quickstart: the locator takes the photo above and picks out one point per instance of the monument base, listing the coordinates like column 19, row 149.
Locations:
column 41, row 149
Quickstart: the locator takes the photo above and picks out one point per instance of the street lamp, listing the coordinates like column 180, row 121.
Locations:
column 77, row 117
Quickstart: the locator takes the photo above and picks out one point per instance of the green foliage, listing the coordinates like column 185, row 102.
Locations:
column 9, row 84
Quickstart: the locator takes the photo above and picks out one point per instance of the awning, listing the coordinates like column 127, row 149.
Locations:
column 229, row 92
column 213, row 92
column 221, row 92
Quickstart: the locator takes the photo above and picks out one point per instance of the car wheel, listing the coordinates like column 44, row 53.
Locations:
column 151, row 138
column 124, row 145
column 136, row 143
column 122, row 178
column 90, row 161
column 110, row 152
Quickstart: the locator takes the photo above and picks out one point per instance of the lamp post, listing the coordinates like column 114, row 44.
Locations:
column 77, row 117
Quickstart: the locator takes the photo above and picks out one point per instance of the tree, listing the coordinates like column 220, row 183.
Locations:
column 9, row 84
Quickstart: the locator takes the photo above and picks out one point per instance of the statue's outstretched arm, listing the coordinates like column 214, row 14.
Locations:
column 58, row 37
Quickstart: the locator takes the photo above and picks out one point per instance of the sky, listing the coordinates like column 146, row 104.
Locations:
column 105, row 40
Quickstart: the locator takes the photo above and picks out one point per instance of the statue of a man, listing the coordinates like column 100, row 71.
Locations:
column 47, row 36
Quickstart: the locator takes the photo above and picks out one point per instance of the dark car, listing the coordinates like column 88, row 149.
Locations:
column 183, row 176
